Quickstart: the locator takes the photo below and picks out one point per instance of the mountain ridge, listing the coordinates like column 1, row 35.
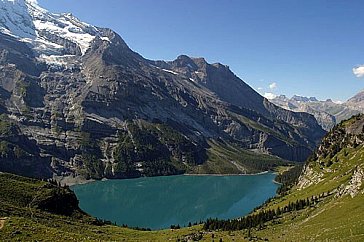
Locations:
column 96, row 108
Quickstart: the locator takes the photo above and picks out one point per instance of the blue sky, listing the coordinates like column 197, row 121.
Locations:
column 306, row 47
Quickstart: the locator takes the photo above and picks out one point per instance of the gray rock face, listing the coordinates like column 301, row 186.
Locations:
column 357, row 102
column 65, row 101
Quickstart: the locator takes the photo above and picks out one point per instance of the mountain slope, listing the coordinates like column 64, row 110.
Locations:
column 336, row 173
column 95, row 108
column 357, row 101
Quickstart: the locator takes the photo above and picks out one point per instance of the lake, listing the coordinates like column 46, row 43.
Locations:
column 158, row 202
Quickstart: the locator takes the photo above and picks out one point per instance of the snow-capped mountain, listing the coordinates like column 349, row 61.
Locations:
column 53, row 36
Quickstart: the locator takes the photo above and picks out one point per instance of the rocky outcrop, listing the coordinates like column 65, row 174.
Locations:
column 60, row 201
column 354, row 186
column 309, row 177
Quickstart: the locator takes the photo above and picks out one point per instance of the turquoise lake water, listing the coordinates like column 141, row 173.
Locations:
column 158, row 202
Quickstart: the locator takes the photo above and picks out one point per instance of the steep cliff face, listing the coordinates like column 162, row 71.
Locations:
column 78, row 92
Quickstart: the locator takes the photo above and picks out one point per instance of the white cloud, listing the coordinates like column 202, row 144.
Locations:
column 269, row 95
column 260, row 88
column 359, row 71
column 273, row 85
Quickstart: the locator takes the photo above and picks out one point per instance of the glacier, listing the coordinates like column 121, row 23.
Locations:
column 52, row 35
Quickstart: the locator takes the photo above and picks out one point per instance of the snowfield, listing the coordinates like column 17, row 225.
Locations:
column 27, row 21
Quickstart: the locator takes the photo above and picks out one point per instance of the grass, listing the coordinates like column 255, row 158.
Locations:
column 333, row 220
column 65, row 229
column 5, row 125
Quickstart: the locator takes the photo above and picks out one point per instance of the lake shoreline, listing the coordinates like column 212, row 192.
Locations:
column 241, row 174
column 79, row 180
column 72, row 180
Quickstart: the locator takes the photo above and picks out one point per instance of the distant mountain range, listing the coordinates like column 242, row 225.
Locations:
column 76, row 100
column 328, row 112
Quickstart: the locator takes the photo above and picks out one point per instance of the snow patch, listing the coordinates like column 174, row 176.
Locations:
column 269, row 95
column 59, row 60
column 105, row 39
column 174, row 73
column 95, row 120
column 338, row 102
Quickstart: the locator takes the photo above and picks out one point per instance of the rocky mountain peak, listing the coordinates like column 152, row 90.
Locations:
column 184, row 61
column 221, row 66
column 303, row 99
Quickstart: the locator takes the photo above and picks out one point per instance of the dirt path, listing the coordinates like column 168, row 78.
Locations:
column 33, row 200
column 2, row 222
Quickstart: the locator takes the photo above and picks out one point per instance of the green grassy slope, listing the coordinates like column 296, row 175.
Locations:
column 335, row 217
column 334, row 176
column 25, row 219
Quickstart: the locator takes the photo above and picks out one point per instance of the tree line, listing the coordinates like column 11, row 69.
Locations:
column 261, row 217
column 288, row 178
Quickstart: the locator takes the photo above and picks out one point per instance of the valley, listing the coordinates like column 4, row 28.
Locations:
column 331, row 185
column 100, row 143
